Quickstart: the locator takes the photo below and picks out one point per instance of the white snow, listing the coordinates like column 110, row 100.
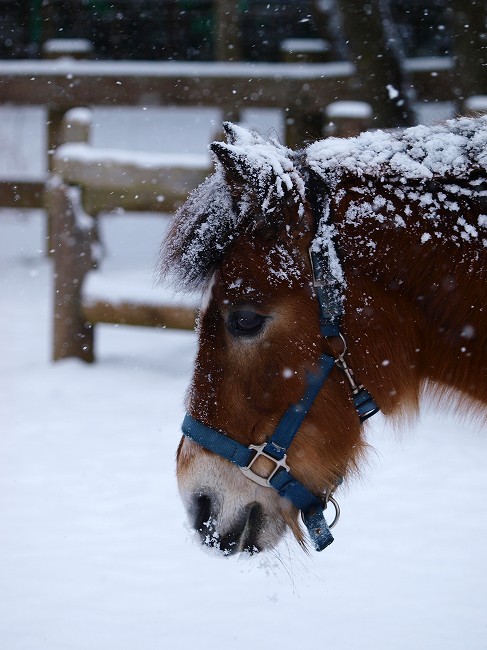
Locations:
column 80, row 115
column 359, row 110
column 73, row 45
column 268, row 165
column 94, row 553
column 149, row 160
column 307, row 45
column 392, row 92
column 476, row 103
column 177, row 69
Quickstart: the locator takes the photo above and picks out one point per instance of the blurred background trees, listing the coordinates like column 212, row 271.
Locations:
column 377, row 35
column 189, row 29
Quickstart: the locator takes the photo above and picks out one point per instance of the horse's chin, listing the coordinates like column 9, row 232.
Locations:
column 229, row 512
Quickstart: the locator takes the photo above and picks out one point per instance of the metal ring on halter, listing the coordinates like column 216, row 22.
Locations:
column 326, row 500
column 334, row 502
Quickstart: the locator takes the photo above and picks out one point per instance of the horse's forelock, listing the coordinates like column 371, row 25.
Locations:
column 200, row 233
column 228, row 203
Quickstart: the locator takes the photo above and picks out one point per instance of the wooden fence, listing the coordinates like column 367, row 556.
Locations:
column 301, row 91
column 84, row 182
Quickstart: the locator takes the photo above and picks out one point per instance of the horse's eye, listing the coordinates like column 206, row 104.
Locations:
column 246, row 323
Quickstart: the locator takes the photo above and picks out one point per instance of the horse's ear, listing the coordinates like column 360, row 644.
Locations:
column 236, row 168
column 231, row 132
column 262, row 176
column 241, row 136
column 227, row 157
column 234, row 155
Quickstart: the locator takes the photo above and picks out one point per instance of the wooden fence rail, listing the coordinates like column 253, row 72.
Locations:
column 307, row 87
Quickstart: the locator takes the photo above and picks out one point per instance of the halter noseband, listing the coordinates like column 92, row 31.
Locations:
column 330, row 300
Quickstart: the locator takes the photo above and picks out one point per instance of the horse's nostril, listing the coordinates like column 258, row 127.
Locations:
column 245, row 533
column 202, row 512
column 254, row 525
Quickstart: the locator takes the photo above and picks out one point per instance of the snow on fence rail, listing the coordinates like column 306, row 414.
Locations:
column 307, row 86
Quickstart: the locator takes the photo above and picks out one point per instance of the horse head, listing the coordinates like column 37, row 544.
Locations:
column 258, row 238
column 246, row 234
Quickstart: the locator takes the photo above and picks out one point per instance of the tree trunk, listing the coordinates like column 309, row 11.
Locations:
column 375, row 50
column 328, row 20
column 469, row 43
column 227, row 31
column 227, row 43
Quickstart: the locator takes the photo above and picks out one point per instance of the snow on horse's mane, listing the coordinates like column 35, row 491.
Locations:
column 454, row 149
column 211, row 218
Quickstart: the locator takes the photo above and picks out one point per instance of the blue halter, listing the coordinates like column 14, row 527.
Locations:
column 275, row 448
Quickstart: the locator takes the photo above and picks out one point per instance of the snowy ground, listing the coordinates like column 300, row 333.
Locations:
column 94, row 551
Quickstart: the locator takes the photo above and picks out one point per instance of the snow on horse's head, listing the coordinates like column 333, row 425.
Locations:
column 397, row 221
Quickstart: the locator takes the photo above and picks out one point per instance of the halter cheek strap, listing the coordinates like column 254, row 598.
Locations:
column 275, row 450
column 330, row 302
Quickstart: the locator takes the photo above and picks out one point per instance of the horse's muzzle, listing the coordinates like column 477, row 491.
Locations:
column 243, row 535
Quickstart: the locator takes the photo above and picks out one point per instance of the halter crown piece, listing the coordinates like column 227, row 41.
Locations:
column 330, row 300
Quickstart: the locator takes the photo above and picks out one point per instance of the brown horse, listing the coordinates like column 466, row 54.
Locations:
column 398, row 222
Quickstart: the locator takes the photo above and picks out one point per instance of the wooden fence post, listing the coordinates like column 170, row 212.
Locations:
column 72, row 237
column 58, row 49
column 73, row 125
column 227, row 44
column 468, row 28
column 54, row 129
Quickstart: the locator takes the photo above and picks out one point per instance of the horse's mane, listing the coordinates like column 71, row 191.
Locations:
column 427, row 164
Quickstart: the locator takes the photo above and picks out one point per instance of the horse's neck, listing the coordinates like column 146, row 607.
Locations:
column 425, row 292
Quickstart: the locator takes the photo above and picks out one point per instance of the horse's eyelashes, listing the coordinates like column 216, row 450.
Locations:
column 246, row 323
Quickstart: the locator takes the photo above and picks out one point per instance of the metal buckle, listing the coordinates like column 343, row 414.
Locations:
column 345, row 368
column 260, row 480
